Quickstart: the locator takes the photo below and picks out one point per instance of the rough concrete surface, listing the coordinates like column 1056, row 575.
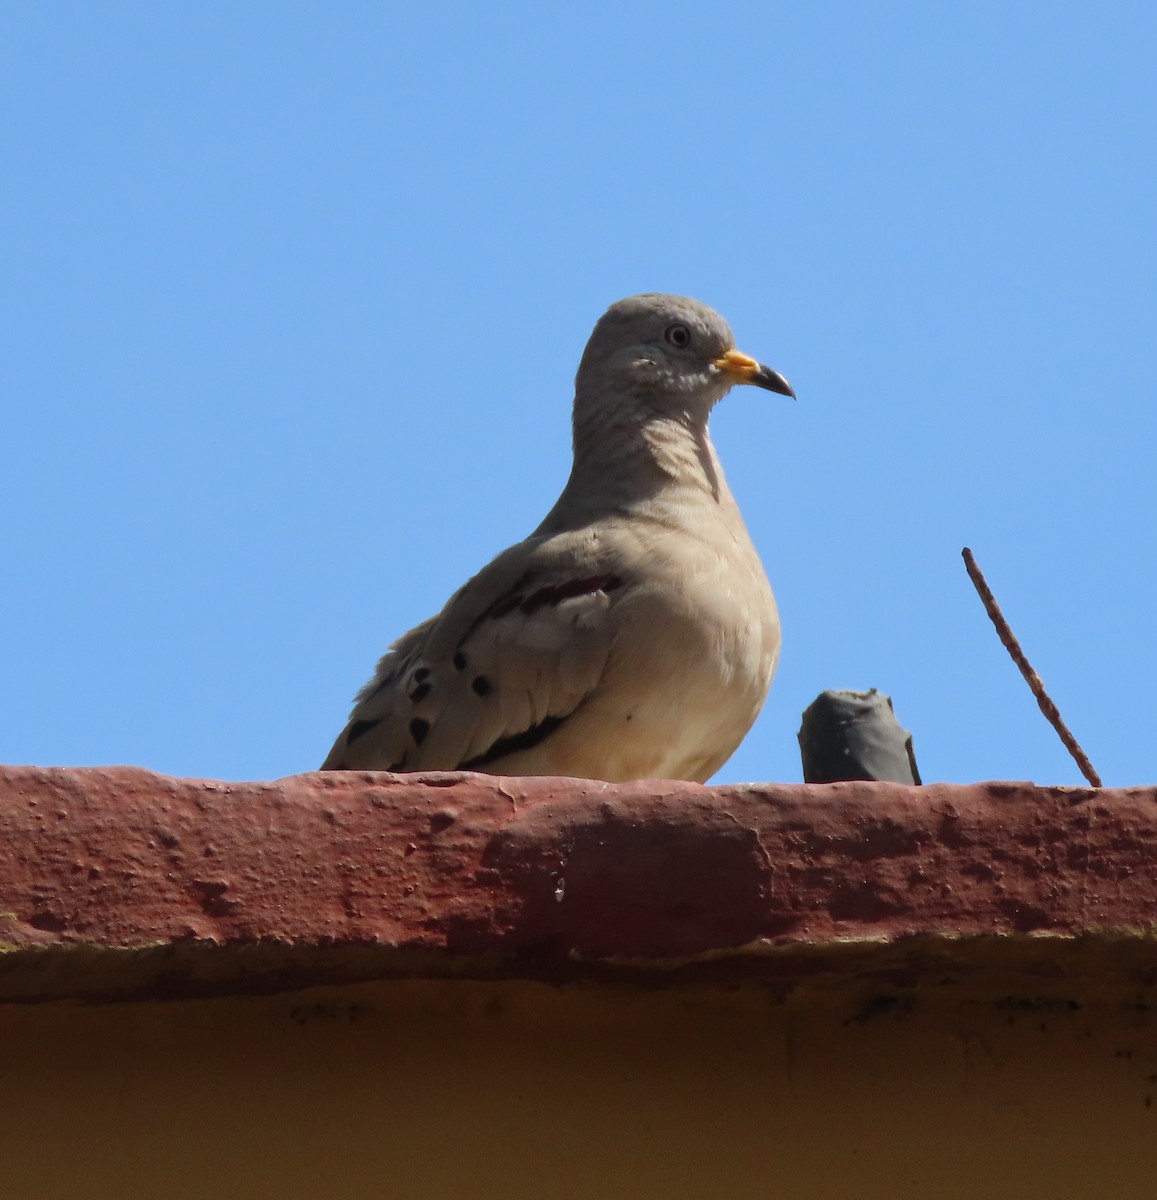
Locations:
column 360, row 875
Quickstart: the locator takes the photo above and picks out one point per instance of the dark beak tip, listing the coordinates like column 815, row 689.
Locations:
column 773, row 381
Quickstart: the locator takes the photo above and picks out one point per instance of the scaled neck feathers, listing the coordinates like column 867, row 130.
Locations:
column 629, row 464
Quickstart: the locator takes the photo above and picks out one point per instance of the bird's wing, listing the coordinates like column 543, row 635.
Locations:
column 513, row 653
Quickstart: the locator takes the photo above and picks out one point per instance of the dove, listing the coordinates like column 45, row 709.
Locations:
column 633, row 634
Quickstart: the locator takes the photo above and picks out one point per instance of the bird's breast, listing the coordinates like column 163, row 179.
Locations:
column 694, row 656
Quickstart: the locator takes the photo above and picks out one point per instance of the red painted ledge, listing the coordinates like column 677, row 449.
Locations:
column 118, row 882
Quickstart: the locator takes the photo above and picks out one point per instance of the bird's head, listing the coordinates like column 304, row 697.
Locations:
column 672, row 354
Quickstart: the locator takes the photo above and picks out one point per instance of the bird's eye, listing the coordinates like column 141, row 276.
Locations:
column 678, row 335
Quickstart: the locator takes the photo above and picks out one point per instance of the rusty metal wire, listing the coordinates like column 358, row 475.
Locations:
column 1050, row 710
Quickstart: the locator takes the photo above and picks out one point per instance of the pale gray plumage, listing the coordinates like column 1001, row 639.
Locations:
column 633, row 635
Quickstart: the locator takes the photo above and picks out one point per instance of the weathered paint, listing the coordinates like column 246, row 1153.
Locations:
column 472, row 866
column 366, row 985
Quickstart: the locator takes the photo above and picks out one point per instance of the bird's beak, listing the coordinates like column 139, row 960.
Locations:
column 744, row 369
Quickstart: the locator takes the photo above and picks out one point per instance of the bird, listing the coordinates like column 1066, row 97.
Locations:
column 633, row 634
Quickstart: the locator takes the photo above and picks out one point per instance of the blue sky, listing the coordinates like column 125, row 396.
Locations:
column 293, row 295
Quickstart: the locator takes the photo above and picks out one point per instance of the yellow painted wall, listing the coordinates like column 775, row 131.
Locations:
column 453, row 1089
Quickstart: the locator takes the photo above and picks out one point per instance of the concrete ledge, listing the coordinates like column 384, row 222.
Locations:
column 118, row 882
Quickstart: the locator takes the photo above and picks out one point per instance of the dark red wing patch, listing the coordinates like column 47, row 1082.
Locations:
column 555, row 593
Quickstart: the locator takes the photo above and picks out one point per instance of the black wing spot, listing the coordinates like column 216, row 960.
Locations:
column 420, row 693
column 418, row 729
column 459, row 661
column 481, row 685
column 358, row 728
column 516, row 741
